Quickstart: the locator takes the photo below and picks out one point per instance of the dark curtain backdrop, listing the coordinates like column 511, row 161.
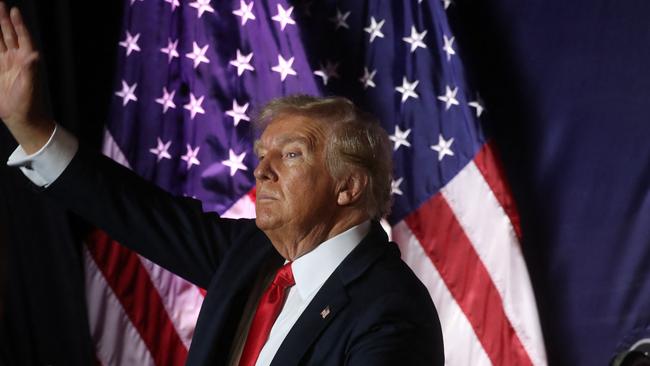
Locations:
column 42, row 307
column 568, row 89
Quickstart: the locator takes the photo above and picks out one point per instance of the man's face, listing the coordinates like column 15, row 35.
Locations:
column 295, row 192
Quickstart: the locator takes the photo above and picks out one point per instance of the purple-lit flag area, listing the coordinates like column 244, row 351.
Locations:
column 190, row 76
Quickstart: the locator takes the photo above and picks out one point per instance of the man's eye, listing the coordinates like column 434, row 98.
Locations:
column 292, row 155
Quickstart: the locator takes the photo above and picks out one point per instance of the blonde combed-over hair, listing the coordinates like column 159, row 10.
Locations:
column 356, row 142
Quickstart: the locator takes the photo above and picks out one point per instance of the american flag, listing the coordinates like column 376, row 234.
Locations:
column 191, row 74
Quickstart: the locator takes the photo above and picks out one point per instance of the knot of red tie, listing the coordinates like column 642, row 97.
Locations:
column 284, row 277
column 267, row 311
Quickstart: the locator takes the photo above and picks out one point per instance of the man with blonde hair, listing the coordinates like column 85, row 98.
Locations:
column 313, row 280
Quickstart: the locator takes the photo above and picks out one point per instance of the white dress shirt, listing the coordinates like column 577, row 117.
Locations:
column 310, row 271
column 47, row 164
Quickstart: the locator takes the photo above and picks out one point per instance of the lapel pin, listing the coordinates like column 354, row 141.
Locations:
column 325, row 312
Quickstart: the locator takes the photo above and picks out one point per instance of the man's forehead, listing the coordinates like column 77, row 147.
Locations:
column 266, row 142
column 289, row 129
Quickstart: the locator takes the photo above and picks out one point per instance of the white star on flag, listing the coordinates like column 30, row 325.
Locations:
column 340, row 18
column 242, row 62
column 444, row 147
column 284, row 17
column 394, row 186
column 416, row 39
column 167, row 100
column 374, row 29
column 198, row 54
column 174, row 4
column 408, row 89
column 191, row 156
column 245, row 11
column 448, row 47
column 130, row 43
column 366, row 79
column 400, row 138
column 170, row 50
column 202, row 6
column 284, row 67
column 238, row 112
column 450, row 97
column 478, row 105
column 194, row 106
column 328, row 71
column 235, row 162
column 127, row 93
column 161, row 150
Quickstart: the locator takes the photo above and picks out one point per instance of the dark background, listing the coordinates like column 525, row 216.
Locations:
column 43, row 315
column 567, row 88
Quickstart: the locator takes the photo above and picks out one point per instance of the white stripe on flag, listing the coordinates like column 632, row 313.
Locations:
column 181, row 299
column 111, row 149
column 243, row 208
column 491, row 233
column 462, row 347
column 117, row 342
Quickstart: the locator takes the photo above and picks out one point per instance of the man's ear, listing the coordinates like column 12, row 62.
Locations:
column 351, row 188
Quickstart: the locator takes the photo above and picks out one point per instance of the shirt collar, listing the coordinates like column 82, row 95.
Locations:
column 311, row 270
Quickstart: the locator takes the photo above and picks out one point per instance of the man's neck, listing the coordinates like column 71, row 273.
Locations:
column 294, row 245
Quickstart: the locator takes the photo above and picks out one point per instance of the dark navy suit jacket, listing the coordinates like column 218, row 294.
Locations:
column 379, row 312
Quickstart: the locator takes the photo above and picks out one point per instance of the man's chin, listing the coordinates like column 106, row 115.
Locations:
column 264, row 223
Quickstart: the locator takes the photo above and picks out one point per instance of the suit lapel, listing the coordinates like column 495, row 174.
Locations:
column 331, row 299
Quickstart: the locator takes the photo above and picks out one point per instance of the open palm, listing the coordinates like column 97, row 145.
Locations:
column 17, row 70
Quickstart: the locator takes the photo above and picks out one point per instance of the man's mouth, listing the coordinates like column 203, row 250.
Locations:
column 265, row 197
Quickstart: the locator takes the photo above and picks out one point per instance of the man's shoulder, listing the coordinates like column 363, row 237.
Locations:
column 389, row 298
column 392, row 275
column 388, row 283
column 375, row 268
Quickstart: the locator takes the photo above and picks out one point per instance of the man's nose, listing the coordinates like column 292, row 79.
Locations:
column 265, row 170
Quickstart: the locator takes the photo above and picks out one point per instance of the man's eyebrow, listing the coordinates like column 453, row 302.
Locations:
column 285, row 140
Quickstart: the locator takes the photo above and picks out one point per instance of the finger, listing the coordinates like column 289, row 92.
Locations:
column 8, row 31
column 3, row 14
column 24, row 38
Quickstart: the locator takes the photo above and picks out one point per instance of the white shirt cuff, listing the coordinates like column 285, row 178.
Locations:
column 46, row 165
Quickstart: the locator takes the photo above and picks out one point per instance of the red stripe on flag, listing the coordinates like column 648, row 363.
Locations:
column 252, row 194
column 490, row 167
column 141, row 302
column 446, row 244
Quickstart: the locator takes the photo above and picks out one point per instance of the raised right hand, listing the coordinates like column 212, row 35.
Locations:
column 22, row 107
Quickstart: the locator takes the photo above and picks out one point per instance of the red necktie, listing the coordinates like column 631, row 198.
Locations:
column 267, row 311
